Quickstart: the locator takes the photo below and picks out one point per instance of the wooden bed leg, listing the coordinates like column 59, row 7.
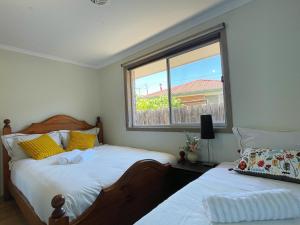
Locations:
column 58, row 216
column 5, row 159
column 100, row 126
column 7, row 196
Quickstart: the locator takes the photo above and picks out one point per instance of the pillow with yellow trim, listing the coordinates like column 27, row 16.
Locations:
column 82, row 141
column 41, row 147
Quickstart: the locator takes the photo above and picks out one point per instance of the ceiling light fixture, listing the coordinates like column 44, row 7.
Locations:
column 99, row 2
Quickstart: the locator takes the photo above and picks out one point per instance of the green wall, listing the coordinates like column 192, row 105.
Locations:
column 263, row 49
column 33, row 89
column 263, row 44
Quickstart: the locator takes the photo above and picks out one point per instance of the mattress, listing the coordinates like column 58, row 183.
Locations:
column 185, row 206
column 41, row 180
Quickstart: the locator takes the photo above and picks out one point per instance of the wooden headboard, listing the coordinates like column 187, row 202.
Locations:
column 58, row 122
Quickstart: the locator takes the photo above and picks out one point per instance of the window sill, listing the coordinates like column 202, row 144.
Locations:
column 178, row 129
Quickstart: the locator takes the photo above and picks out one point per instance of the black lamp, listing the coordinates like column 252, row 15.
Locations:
column 207, row 130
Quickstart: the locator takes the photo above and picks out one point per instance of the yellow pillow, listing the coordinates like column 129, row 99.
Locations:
column 41, row 147
column 80, row 141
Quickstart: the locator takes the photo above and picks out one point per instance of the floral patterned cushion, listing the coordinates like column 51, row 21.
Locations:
column 276, row 164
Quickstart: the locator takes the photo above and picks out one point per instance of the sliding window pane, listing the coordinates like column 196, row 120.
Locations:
column 150, row 94
column 196, row 85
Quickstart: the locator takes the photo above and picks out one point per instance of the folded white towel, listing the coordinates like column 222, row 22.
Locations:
column 83, row 156
column 74, row 157
column 272, row 204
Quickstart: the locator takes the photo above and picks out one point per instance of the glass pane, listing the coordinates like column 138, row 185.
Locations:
column 150, row 94
column 196, row 85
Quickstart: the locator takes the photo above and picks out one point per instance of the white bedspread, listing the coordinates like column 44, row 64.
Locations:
column 185, row 207
column 41, row 180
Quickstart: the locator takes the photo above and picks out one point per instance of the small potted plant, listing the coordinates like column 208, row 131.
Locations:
column 191, row 147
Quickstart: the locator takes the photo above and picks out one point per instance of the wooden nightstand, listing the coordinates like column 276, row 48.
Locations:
column 182, row 174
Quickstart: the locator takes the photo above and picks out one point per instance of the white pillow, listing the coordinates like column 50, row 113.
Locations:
column 15, row 152
column 252, row 138
column 65, row 134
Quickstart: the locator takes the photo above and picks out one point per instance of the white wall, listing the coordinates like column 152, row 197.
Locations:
column 32, row 89
column 263, row 43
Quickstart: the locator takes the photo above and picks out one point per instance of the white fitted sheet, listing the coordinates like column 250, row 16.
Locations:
column 41, row 180
column 185, row 206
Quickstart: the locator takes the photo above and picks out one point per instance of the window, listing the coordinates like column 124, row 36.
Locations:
column 170, row 89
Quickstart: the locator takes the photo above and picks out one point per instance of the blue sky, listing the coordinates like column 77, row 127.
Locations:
column 206, row 69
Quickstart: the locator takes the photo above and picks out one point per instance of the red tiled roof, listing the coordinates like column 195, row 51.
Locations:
column 191, row 87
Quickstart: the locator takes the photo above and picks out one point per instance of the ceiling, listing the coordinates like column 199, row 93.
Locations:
column 79, row 32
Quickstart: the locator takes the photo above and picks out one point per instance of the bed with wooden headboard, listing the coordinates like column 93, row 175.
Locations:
column 120, row 204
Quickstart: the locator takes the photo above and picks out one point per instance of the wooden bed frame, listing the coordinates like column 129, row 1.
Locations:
column 139, row 190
